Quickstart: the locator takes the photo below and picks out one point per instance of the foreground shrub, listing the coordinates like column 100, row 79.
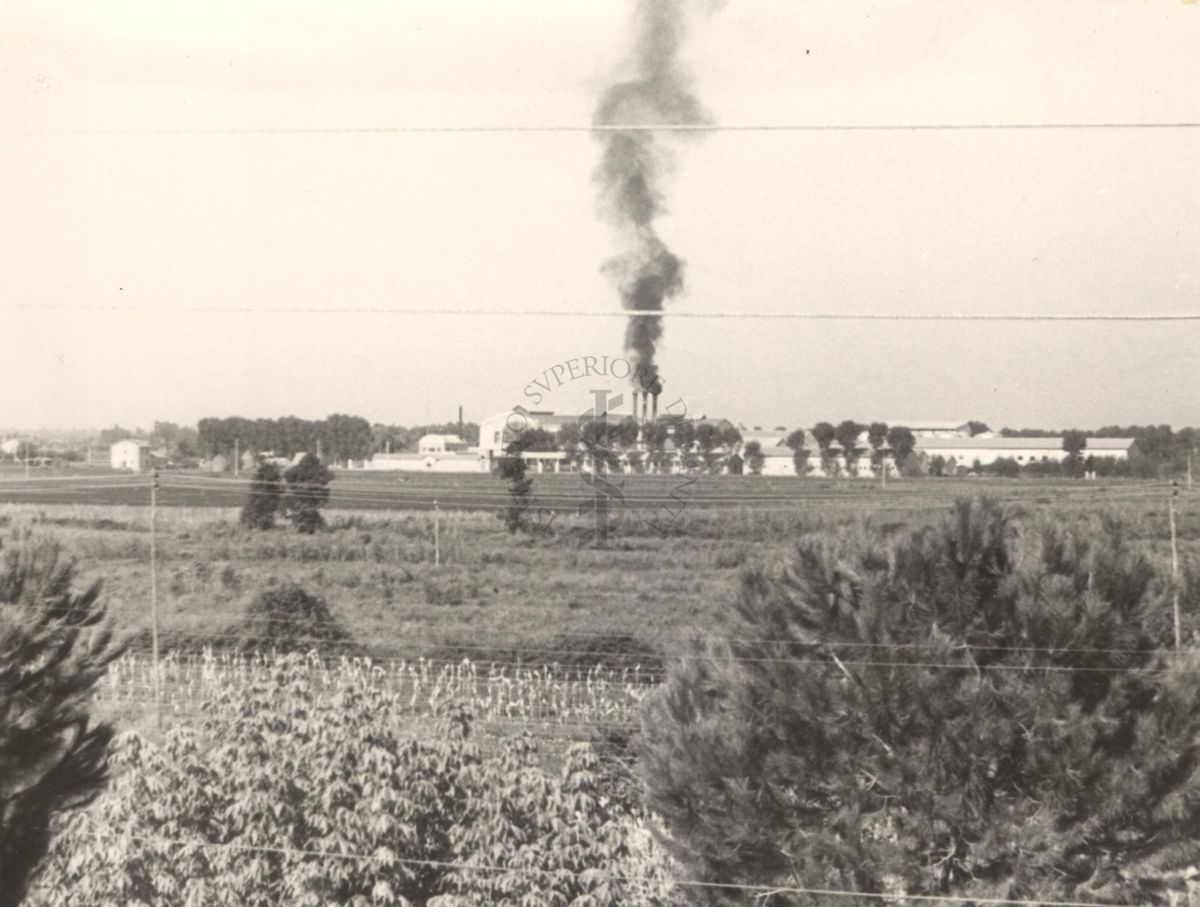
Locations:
column 53, row 650
column 289, row 619
column 946, row 714
column 284, row 797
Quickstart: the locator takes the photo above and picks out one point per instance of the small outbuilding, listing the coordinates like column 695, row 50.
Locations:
column 439, row 444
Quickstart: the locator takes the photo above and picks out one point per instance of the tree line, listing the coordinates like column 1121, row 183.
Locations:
column 882, row 439
column 339, row 437
column 1160, row 448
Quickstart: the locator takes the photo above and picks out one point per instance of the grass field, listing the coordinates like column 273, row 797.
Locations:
column 554, row 597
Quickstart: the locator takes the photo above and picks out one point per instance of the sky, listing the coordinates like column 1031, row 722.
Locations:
column 175, row 177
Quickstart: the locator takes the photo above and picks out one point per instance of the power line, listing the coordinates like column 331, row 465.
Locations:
column 606, row 128
column 1134, row 317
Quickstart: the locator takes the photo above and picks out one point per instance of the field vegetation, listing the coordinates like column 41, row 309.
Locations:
column 541, row 598
column 427, row 677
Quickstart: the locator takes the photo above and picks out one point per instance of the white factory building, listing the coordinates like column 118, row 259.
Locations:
column 950, row 440
column 988, row 448
column 435, row 453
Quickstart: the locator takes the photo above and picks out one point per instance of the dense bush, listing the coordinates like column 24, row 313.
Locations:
column 264, row 498
column 53, row 651
column 289, row 619
column 307, row 492
column 284, row 797
column 956, row 711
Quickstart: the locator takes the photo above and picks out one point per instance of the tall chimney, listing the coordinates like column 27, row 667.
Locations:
column 460, row 415
column 654, row 407
column 634, row 394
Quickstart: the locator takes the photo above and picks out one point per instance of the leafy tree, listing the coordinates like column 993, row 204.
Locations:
column 943, row 714
column 307, row 491
column 25, row 450
column 1006, row 467
column 708, row 438
column 178, row 440
column 53, row 651
column 902, row 442
column 567, row 439
column 877, row 433
column 599, row 438
column 1074, row 442
column 345, row 437
column 823, row 433
column 513, row 467
column 847, row 434
column 654, row 436
column 977, row 428
column 797, row 441
column 538, row 439
column 754, row 457
column 387, row 438
column 264, row 498
column 626, row 435
column 684, row 436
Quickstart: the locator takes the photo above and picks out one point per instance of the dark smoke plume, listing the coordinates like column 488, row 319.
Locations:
column 634, row 161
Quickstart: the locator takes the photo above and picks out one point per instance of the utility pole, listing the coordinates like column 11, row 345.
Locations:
column 1175, row 562
column 154, row 595
column 437, row 535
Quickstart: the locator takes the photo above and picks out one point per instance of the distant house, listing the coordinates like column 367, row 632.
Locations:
column 130, row 454
column 435, row 444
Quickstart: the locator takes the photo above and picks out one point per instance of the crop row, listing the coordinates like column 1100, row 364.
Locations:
column 492, row 692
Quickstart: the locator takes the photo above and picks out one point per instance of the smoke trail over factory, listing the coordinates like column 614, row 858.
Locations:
column 647, row 273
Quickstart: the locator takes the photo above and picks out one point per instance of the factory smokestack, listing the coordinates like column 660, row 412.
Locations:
column 647, row 273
